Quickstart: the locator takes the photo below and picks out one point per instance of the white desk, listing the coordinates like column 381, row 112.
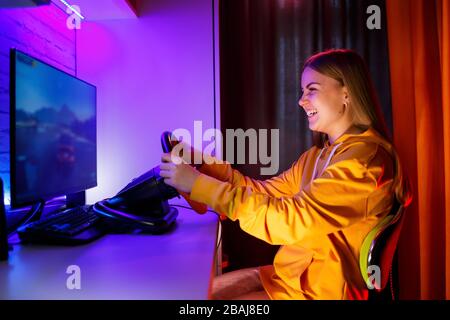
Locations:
column 175, row 265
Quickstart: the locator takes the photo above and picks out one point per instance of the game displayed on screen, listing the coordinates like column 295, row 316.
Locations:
column 55, row 130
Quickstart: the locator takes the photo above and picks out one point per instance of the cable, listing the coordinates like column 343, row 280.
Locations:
column 220, row 239
column 212, row 211
column 220, row 221
column 34, row 214
column 219, row 265
column 186, row 207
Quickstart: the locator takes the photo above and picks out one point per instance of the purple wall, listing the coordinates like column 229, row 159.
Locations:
column 41, row 32
column 152, row 73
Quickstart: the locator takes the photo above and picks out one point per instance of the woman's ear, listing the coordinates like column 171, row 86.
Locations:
column 345, row 95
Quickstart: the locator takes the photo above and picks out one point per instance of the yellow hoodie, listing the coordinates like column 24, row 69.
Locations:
column 320, row 223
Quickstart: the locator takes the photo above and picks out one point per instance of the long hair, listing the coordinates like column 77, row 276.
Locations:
column 350, row 70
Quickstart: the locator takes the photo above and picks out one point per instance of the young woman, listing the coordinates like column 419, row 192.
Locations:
column 321, row 209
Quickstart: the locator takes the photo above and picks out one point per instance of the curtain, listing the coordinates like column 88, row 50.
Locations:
column 263, row 45
column 419, row 54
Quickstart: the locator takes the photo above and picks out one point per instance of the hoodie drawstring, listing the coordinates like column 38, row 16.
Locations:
column 326, row 163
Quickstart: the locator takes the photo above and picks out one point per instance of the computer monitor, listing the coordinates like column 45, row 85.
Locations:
column 53, row 132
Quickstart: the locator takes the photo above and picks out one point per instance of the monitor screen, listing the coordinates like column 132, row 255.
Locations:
column 53, row 132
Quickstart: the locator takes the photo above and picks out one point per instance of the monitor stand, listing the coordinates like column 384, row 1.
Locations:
column 76, row 199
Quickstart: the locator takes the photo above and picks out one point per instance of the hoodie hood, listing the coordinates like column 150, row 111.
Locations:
column 401, row 185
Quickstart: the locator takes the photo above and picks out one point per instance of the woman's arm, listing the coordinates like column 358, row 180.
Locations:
column 285, row 184
column 341, row 196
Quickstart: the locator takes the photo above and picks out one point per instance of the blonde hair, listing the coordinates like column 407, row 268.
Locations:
column 350, row 70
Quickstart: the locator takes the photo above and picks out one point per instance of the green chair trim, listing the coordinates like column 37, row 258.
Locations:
column 370, row 240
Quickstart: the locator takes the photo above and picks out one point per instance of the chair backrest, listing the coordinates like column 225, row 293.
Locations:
column 379, row 247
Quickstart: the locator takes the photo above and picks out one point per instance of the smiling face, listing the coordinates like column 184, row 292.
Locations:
column 323, row 100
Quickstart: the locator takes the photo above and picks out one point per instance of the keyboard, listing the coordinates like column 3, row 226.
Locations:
column 72, row 226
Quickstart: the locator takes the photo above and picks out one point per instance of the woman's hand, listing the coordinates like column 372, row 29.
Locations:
column 189, row 154
column 180, row 176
